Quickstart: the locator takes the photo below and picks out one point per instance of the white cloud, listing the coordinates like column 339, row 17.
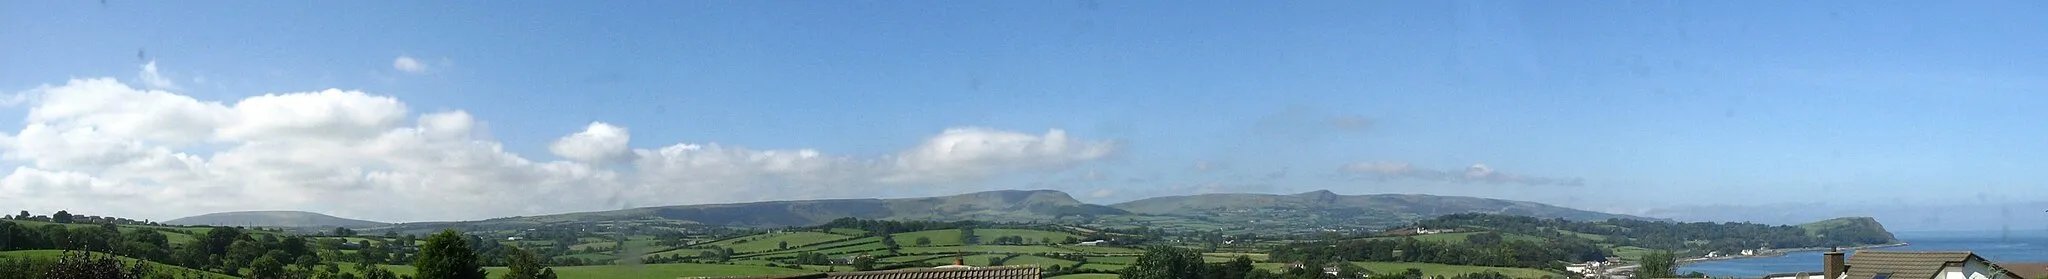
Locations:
column 329, row 114
column 967, row 152
column 154, row 79
column 598, row 143
column 98, row 146
column 409, row 65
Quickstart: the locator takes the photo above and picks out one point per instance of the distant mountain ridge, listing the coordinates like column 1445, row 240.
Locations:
column 287, row 219
column 1016, row 205
column 1323, row 206
column 1310, row 211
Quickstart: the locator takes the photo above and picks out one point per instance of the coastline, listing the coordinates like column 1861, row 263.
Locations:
column 1782, row 252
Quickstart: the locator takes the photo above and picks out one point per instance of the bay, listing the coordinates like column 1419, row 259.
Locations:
column 1997, row 246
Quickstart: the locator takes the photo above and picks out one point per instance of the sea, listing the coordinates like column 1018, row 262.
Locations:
column 1997, row 246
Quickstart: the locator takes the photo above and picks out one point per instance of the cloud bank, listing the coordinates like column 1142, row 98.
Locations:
column 102, row 147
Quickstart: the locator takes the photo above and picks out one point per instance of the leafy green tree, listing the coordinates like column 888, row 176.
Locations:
column 967, row 236
column 523, row 264
column 266, row 267
column 61, row 217
column 782, row 245
column 864, row 263
column 924, row 241
column 1658, row 264
column 1236, row 268
column 447, row 256
column 23, row 216
column 340, row 231
column 1164, row 262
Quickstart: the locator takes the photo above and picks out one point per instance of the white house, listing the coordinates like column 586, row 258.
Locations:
column 1749, row 252
column 1093, row 242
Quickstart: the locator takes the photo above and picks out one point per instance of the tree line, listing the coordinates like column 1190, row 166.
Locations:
column 1699, row 236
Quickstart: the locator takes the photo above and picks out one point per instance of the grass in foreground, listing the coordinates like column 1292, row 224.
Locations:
column 662, row 271
column 161, row 267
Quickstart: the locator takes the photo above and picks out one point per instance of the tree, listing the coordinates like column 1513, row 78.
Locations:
column 924, row 241
column 864, row 263
column 61, row 217
column 266, row 267
column 1164, row 262
column 967, row 236
column 340, row 231
column 23, row 216
column 523, row 264
column 782, row 246
column 447, row 255
column 1658, row 264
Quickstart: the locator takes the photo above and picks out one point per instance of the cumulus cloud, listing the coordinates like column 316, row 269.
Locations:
column 969, row 152
column 409, row 65
column 101, row 146
column 598, row 143
column 1475, row 173
column 154, row 79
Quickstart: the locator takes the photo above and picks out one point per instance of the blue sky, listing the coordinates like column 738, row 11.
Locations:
column 1649, row 104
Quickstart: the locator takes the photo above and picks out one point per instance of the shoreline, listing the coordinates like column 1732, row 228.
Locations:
column 1782, row 252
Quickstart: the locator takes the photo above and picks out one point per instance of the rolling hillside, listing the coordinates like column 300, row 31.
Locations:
column 1234, row 213
column 293, row 219
column 1015, row 205
column 1327, row 208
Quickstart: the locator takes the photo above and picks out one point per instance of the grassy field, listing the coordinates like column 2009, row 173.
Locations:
column 1630, row 252
column 769, row 242
column 1459, row 237
column 1037, row 260
column 1431, row 270
column 176, row 235
column 678, row 252
column 1101, row 249
column 1112, row 260
column 124, row 260
column 985, row 249
column 849, row 231
column 1232, row 256
column 952, row 236
column 1593, row 237
column 662, row 271
column 1104, row 267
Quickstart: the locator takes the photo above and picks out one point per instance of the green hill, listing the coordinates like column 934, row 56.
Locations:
column 289, row 219
column 1324, row 208
column 1007, row 205
column 1851, row 229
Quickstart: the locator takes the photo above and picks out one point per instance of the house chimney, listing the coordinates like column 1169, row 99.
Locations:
column 1832, row 263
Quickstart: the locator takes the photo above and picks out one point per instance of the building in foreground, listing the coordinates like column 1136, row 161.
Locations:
column 1883, row 264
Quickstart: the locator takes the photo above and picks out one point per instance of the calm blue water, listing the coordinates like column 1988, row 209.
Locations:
column 2028, row 246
